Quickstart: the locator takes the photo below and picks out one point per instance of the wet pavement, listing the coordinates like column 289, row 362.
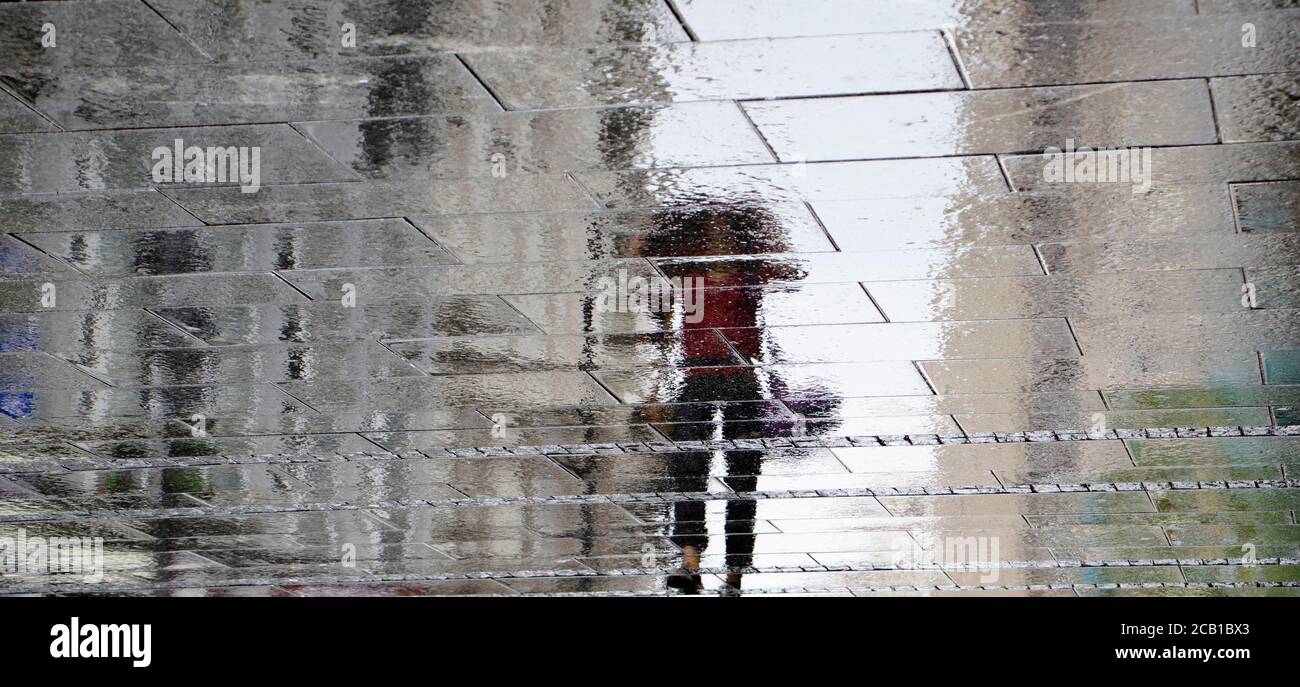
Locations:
column 639, row 297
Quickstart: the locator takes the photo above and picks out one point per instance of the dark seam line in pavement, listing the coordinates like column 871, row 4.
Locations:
column 607, row 390
column 757, row 132
column 1006, row 176
column 79, row 369
column 427, row 235
column 500, row 297
column 876, row 305
column 1042, row 264
column 1236, row 219
column 1214, row 112
column 591, row 195
column 817, row 218
column 950, row 42
column 181, row 34
column 277, row 275
column 1123, row 443
column 1070, row 327
column 173, row 325
column 30, row 106
column 357, row 176
column 924, row 377
column 482, row 82
column 51, row 256
column 183, row 209
column 281, row 389
column 681, row 19
column 731, row 347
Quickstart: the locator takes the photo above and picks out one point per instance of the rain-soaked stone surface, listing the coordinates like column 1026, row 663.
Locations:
column 638, row 297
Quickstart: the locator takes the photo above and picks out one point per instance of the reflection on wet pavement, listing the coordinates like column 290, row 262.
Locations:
column 631, row 297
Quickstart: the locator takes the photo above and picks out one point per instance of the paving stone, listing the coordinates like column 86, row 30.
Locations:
column 777, row 381
column 987, row 121
column 704, row 308
column 554, row 388
column 668, row 232
column 249, row 248
column 1125, row 49
column 232, row 31
column 757, row 184
column 714, row 20
column 265, row 324
column 1240, row 162
column 110, row 210
column 703, row 71
column 76, row 161
column 234, row 93
column 553, row 141
column 114, row 32
column 172, row 291
column 1256, row 108
column 907, row 341
column 461, row 355
column 1131, row 294
column 1030, row 217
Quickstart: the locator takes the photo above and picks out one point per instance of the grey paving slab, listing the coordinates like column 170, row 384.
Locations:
column 71, row 330
column 112, row 32
column 230, row 31
column 171, row 367
column 1243, row 250
column 1225, row 6
column 36, row 370
column 506, row 144
column 1189, row 369
column 666, row 232
column 815, row 268
column 247, row 248
column 314, row 202
column 182, row 401
column 777, row 381
column 789, row 304
column 1175, row 165
column 909, row 341
column 1257, row 108
column 80, row 161
column 21, row 261
column 1242, row 330
column 986, row 121
column 265, row 324
column 92, row 211
column 462, row 355
column 765, row 68
column 914, row 178
column 1031, row 402
column 173, row 291
column 393, row 283
column 1197, row 291
column 1064, row 212
column 554, row 388
column 714, row 20
column 1127, row 49
column 235, row 93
